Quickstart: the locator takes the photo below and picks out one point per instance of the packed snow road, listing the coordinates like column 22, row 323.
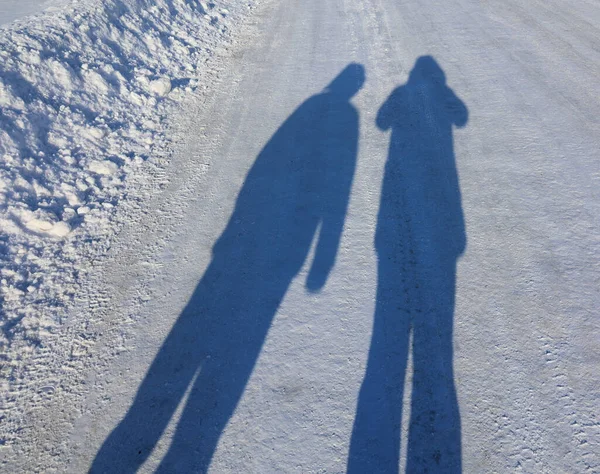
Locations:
column 377, row 251
column 11, row 10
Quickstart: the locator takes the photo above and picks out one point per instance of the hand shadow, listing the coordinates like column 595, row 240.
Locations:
column 298, row 187
column 420, row 235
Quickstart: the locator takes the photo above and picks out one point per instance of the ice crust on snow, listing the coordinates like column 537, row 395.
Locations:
column 84, row 94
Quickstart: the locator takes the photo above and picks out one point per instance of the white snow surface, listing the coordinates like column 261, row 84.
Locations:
column 11, row 10
column 119, row 186
column 84, row 94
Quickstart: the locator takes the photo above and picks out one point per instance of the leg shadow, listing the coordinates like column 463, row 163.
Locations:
column 298, row 188
column 420, row 235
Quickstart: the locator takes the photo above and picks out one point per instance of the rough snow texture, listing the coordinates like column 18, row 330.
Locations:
column 84, row 94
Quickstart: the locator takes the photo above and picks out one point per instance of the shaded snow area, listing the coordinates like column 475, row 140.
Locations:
column 84, row 93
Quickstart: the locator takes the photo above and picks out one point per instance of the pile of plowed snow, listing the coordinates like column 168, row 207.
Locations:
column 84, row 96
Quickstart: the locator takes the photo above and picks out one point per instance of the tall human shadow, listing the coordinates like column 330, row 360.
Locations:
column 297, row 190
column 420, row 235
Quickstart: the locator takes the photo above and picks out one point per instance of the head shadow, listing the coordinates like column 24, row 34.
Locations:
column 419, row 237
column 296, row 191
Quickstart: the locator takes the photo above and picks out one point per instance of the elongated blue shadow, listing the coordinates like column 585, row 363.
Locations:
column 298, row 186
column 420, row 235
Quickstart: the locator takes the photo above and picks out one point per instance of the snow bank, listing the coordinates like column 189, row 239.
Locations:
column 84, row 94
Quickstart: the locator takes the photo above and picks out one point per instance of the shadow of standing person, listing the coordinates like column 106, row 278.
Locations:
column 298, row 188
column 420, row 235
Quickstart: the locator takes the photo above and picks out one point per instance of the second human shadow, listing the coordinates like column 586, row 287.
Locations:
column 296, row 191
column 420, row 235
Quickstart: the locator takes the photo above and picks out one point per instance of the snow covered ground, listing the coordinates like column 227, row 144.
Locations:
column 11, row 10
column 84, row 95
column 351, row 234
